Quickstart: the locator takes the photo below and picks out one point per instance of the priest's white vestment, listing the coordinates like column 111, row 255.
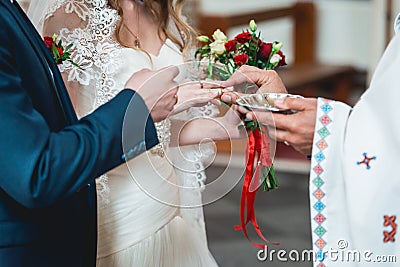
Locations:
column 355, row 173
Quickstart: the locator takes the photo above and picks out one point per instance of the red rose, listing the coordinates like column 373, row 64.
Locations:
column 230, row 45
column 241, row 59
column 48, row 41
column 282, row 62
column 243, row 37
column 60, row 51
column 265, row 51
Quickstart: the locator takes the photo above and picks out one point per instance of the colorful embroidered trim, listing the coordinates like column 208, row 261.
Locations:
column 318, row 191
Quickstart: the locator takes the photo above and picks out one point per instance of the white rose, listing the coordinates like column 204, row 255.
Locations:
column 275, row 59
column 217, row 47
column 219, row 36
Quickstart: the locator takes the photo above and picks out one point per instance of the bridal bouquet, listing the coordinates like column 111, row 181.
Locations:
column 246, row 48
column 57, row 50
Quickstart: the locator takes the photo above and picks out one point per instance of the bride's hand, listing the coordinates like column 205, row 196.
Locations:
column 196, row 94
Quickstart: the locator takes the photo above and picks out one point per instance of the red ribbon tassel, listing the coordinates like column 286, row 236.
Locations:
column 257, row 149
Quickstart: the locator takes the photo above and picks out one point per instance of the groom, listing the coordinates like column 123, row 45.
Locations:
column 49, row 159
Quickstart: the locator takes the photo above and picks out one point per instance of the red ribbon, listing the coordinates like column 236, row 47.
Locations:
column 257, row 149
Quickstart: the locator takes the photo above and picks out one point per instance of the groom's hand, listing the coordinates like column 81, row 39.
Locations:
column 158, row 90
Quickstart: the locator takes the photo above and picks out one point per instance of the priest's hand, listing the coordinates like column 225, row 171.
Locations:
column 267, row 81
column 295, row 129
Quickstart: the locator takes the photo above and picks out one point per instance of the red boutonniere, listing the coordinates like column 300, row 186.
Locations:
column 57, row 50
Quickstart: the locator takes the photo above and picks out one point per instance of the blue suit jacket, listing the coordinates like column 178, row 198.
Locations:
column 49, row 159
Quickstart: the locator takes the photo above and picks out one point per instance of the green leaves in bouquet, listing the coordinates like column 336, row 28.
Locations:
column 268, row 176
column 203, row 52
column 224, row 74
column 251, row 125
column 267, row 173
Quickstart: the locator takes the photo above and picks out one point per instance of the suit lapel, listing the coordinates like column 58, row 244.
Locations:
column 51, row 69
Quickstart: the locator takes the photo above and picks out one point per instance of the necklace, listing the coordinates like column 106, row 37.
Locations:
column 136, row 42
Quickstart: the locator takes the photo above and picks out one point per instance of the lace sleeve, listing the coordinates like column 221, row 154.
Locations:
column 88, row 26
column 69, row 21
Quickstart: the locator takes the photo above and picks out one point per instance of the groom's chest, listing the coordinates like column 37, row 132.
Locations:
column 32, row 67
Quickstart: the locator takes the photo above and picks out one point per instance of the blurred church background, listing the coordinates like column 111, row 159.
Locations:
column 332, row 47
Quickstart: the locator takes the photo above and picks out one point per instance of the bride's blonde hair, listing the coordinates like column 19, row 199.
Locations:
column 164, row 11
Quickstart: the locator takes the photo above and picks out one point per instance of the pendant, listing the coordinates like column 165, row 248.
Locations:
column 137, row 43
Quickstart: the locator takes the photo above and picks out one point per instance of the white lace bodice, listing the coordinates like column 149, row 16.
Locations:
column 94, row 49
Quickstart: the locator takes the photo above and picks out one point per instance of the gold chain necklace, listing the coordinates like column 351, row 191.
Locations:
column 136, row 42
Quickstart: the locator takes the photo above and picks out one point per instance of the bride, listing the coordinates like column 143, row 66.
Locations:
column 141, row 221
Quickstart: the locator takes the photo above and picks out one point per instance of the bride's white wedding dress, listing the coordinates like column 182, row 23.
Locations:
column 135, row 227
